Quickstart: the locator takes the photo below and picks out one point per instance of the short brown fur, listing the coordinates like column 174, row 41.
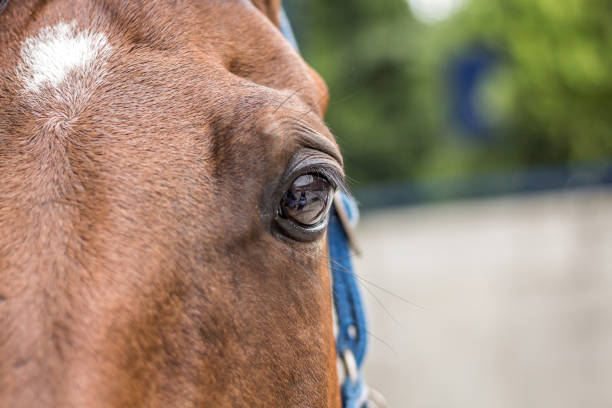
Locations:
column 135, row 267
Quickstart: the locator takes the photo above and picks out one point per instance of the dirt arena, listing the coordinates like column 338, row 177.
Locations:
column 512, row 302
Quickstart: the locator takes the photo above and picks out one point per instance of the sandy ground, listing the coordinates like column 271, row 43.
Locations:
column 513, row 302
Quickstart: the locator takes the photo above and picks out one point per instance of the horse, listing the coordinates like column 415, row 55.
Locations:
column 166, row 182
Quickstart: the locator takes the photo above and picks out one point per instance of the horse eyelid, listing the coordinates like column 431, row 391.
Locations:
column 332, row 175
column 317, row 162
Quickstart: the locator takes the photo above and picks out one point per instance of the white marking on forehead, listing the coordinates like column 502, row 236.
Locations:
column 48, row 57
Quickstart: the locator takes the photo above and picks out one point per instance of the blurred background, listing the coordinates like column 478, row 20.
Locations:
column 478, row 138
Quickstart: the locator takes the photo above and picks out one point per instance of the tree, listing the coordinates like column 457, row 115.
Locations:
column 548, row 98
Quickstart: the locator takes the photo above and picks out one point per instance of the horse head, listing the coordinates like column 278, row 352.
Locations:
column 166, row 177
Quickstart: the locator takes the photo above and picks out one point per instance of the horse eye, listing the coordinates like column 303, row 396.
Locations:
column 307, row 201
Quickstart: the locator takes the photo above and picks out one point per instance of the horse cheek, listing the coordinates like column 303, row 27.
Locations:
column 333, row 394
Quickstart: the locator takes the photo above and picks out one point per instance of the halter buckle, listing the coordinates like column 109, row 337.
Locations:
column 349, row 364
column 345, row 220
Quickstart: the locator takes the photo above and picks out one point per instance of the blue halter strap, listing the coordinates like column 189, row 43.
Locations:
column 351, row 339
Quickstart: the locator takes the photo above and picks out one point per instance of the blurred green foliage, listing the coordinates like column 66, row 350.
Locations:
column 549, row 98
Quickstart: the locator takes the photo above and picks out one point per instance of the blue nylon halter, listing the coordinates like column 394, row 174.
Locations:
column 351, row 339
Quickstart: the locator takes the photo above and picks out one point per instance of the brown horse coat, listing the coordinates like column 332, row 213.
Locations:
column 142, row 144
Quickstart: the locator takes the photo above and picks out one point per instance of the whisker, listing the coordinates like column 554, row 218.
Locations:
column 377, row 286
column 58, row 201
column 315, row 276
column 383, row 307
column 382, row 341
column 287, row 99
column 315, row 105
column 374, row 296
column 350, row 94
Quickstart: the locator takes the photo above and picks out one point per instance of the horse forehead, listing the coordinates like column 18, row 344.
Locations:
column 74, row 57
column 48, row 57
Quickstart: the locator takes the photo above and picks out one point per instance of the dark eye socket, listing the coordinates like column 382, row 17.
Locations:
column 307, row 201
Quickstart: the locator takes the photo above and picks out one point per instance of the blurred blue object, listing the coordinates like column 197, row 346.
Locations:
column 465, row 75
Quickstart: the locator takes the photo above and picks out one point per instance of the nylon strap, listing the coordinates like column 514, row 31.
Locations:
column 351, row 340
